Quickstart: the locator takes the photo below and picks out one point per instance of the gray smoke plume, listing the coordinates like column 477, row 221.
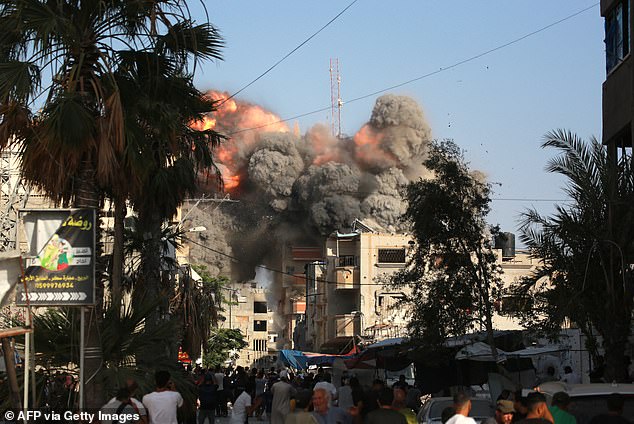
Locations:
column 308, row 186
column 298, row 189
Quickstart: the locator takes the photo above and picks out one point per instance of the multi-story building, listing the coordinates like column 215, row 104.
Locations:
column 618, row 88
column 515, row 265
column 298, row 261
column 347, row 296
column 249, row 311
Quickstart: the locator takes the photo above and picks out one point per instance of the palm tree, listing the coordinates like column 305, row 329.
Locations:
column 585, row 248
column 60, row 100
column 163, row 156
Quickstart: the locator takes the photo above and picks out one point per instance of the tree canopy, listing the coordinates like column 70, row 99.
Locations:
column 451, row 270
column 222, row 346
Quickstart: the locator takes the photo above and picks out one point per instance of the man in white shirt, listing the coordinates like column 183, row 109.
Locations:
column 242, row 408
column 462, row 405
column 163, row 403
column 132, row 386
column 282, row 394
column 219, row 378
column 120, row 410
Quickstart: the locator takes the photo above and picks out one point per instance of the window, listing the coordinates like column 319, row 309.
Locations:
column 617, row 34
column 388, row 302
column 511, row 305
column 348, row 260
column 259, row 308
column 259, row 345
column 391, row 256
column 259, row 325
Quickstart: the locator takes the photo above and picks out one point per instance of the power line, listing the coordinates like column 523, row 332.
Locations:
column 278, row 271
column 529, row 200
column 290, row 53
column 438, row 71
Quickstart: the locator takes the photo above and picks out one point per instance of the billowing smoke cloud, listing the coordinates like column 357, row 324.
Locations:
column 318, row 180
column 298, row 189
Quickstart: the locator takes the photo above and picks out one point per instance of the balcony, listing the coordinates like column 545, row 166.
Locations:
column 347, row 277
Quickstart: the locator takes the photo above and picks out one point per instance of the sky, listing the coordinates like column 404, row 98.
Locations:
column 497, row 107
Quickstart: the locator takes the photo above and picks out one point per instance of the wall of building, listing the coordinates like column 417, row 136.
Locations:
column 256, row 324
column 618, row 88
column 514, row 268
column 355, row 299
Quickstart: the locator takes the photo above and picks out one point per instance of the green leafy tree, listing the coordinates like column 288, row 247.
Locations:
column 452, row 269
column 585, row 248
column 221, row 344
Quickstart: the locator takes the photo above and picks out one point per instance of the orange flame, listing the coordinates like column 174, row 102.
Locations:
column 326, row 147
column 369, row 150
column 242, row 122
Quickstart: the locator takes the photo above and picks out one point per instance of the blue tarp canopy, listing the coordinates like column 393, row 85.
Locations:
column 294, row 359
column 301, row 360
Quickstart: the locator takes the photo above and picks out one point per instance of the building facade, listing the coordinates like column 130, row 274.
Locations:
column 248, row 310
column 347, row 297
column 618, row 88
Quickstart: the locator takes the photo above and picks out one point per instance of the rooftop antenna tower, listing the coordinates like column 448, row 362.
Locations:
column 335, row 98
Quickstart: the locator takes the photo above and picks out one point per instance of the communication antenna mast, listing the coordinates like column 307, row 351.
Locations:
column 335, row 98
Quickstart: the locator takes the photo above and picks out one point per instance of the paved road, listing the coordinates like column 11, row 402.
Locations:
column 225, row 420
column 252, row 420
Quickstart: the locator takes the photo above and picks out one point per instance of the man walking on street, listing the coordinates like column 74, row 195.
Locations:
column 385, row 414
column 221, row 409
column 559, row 409
column 163, row 403
column 208, row 399
column 282, row 393
column 537, row 410
column 326, row 414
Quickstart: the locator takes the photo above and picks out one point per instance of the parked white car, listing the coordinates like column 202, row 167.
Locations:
column 588, row 400
column 431, row 411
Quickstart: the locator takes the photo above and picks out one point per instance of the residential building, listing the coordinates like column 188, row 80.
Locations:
column 298, row 261
column 250, row 312
column 515, row 265
column 348, row 298
column 618, row 88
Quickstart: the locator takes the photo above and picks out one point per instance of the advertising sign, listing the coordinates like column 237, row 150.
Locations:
column 63, row 272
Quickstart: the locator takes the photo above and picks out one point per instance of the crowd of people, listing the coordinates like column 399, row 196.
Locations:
column 531, row 409
column 283, row 397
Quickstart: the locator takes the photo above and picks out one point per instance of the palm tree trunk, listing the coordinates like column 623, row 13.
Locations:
column 87, row 196
column 150, row 288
